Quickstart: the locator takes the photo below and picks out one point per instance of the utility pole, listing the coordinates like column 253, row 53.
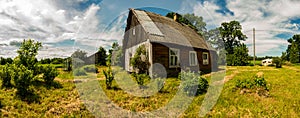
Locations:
column 254, row 46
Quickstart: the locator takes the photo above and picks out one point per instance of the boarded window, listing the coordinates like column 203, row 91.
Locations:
column 193, row 58
column 174, row 57
column 205, row 58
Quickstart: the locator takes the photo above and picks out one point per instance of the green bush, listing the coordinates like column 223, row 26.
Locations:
column 90, row 68
column 50, row 73
column 141, row 79
column 257, row 82
column 6, row 75
column 79, row 72
column 23, row 79
column 109, row 77
column 193, row 84
column 278, row 62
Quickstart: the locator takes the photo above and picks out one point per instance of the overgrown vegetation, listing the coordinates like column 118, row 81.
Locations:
column 109, row 77
column 25, row 70
column 256, row 84
column 193, row 83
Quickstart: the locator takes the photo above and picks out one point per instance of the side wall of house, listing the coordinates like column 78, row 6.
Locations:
column 161, row 56
column 134, row 37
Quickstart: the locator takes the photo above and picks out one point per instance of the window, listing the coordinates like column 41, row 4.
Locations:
column 193, row 58
column 205, row 58
column 173, row 57
column 133, row 31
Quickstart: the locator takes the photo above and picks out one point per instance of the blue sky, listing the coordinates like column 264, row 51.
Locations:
column 66, row 25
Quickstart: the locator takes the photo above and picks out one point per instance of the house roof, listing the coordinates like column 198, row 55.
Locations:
column 166, row 30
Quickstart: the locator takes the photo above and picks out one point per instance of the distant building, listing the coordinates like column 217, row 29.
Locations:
column 267, row 62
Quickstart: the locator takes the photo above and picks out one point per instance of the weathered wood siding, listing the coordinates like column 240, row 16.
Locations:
column 161, row 56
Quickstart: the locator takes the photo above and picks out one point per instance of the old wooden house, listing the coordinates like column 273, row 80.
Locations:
column 174, row 45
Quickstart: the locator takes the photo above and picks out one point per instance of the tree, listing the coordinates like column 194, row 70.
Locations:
column 114, row 54
column 195, row 22
column 79, row 54
column 27, row 54
column 293, row 51
column 102, row 56
column 239, row 57
column 25, row 69
column 231, row 34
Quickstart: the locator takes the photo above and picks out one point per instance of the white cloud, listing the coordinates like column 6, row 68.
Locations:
column 269, row 18
column 52, row 22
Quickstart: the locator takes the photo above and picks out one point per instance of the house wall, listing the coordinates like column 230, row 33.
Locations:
column 161, row 55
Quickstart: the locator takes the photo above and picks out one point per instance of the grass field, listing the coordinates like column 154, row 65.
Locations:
column 283, row 99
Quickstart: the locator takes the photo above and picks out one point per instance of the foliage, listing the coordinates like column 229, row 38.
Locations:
column 256, row 83
column 279, row 61
column 231, row 34
column 23, row 78
column 79, row 54
column 102, row 56
column 50, row 73
column 4, row 61
column 140, row 60
column 293, row 51
column 79, row 72
column 6, row 76
column 27, row 54
column 115, row 54
column 192, row 83
column 109, row 77
column 239, row 57
column 90, row 68
column 141, row 78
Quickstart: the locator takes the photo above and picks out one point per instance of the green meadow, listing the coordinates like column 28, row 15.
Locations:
column 282, row 100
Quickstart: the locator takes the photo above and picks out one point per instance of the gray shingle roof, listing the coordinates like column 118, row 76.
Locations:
column 167, row 30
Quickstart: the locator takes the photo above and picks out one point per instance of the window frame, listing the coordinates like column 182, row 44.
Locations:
column 195, row 58
column 170, row 57
column 205, row 61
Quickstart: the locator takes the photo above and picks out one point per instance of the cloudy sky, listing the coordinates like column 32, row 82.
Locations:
column 66, row 25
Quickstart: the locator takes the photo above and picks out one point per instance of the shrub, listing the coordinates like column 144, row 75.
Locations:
column 141, row 78
column 6, row 74
column 193, row 84
column 109, row 77
column 278, row 62
column 23, row 79
column 256, row 83
column 79, row 72
column 49, row 74
column 90, row 68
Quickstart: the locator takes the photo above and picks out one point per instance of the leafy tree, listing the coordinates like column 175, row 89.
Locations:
column 27, row 54
column 79, row 54
column 294, row 53
column 6, row 75
column 114, row 54
column 23, row 79
column 231, row 34
column 294, row 43
column 195, row 22
column 239, row 57
column 102, row 56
